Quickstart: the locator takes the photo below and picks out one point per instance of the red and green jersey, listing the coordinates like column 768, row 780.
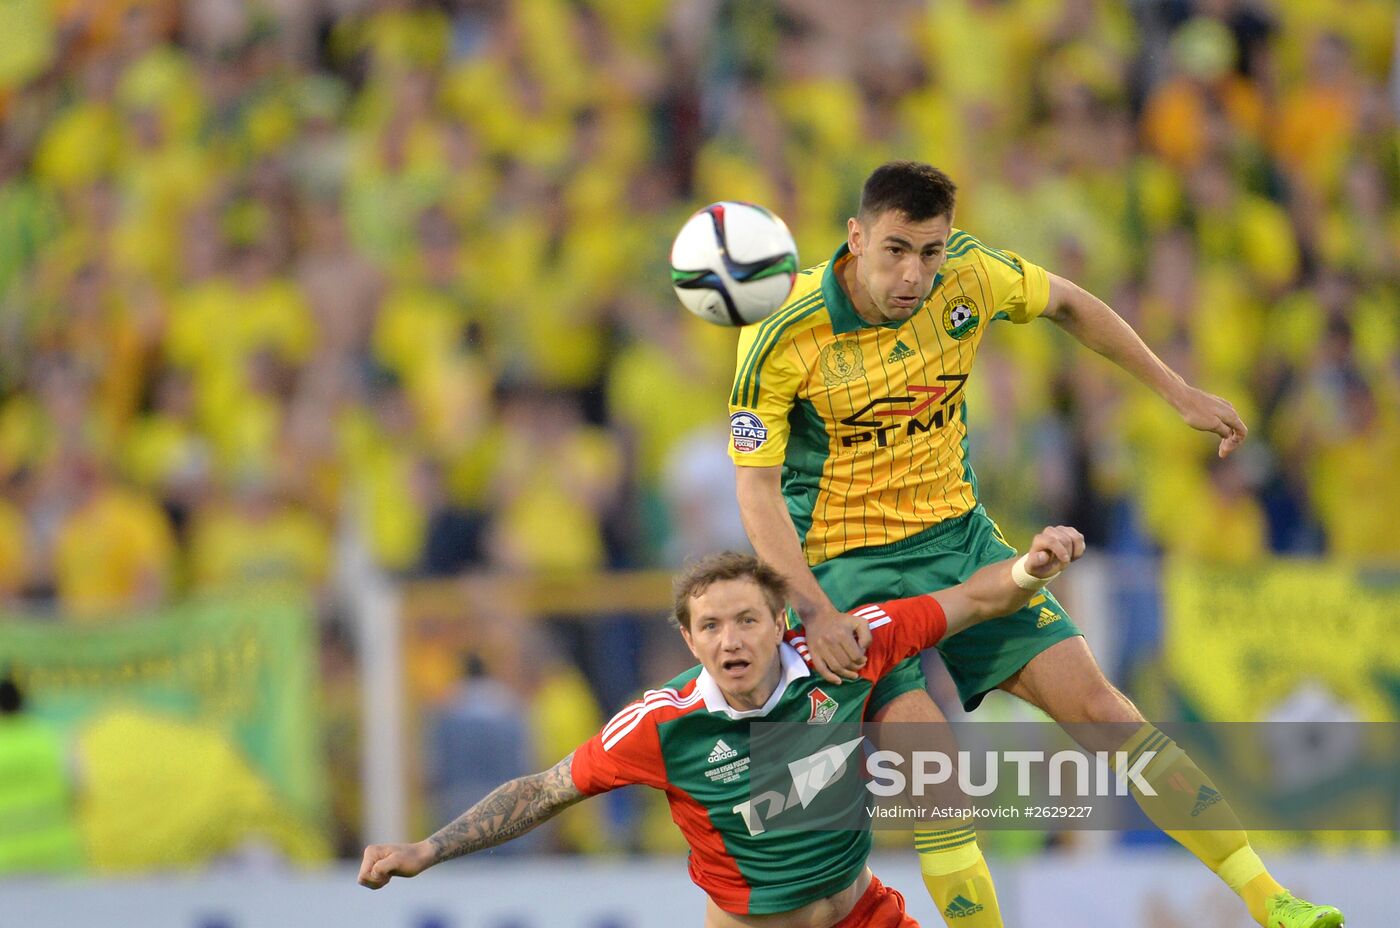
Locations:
column 686, row 740
column 869, row 421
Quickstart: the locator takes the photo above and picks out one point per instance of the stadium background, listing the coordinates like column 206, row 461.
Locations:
column 348, row 426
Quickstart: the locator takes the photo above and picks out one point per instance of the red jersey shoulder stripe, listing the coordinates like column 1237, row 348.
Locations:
column 631, row 716
column 649, row 698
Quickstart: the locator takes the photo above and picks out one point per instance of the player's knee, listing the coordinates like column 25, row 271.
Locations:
column 1104, row 704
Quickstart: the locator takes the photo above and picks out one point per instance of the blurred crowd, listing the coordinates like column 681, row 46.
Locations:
column 285, row 275
column 275, row 269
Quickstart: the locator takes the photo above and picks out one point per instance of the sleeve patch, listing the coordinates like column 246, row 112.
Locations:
column 747, row 431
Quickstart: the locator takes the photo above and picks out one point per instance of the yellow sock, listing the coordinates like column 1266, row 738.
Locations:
column 1244, row 872
column 1185, row 794
column 957, row 877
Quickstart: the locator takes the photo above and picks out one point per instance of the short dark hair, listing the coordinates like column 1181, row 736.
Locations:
column 919, row 191
column 727, row 565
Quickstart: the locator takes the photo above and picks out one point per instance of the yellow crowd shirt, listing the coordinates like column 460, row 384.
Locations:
column 870, row 421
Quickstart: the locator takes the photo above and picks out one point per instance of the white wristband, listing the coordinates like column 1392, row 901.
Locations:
column 1024, row 579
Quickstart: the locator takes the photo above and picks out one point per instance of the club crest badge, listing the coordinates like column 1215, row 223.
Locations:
column 823, row 708
column 960, row 317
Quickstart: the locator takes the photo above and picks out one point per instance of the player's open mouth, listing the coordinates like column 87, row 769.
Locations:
column 905, row 301
column 735, row 666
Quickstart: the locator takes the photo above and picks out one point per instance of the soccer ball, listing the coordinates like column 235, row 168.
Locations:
column 733, row 263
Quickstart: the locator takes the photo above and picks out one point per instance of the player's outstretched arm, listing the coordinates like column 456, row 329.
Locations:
column 1000, row 588
column 1095, row 325
column 837, row 639
column 507, row 812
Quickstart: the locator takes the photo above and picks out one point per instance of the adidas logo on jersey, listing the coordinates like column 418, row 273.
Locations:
column 1205, row 798
column 721, row 752
column 900, row 352
column 961, row 907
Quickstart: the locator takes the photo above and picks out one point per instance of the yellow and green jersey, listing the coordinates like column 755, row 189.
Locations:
column 870, row 421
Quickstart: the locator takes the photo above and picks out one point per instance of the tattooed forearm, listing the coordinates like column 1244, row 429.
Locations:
column 509, row 811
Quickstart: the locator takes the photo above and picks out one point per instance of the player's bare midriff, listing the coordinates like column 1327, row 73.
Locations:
column 820, row 914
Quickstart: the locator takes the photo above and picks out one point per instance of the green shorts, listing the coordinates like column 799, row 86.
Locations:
column 978, row 658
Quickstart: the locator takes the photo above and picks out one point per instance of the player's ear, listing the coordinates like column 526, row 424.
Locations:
column 855, row 238
column 689, row 642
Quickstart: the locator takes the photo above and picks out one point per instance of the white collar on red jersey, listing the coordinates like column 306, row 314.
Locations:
column 794, row 668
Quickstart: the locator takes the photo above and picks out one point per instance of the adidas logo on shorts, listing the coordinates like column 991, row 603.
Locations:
column 721, row 752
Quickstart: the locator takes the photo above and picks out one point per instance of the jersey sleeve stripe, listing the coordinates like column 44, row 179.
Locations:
column 650, row 697
column 962, row 241
column 769, row 331
column 1003, row 259
column 619, row 734
column 765, row 330
column 964, row 246
column 758, row 370
column 874, row 616
column 622, row 718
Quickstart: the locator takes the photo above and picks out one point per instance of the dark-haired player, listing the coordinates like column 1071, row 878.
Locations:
column 849, row 431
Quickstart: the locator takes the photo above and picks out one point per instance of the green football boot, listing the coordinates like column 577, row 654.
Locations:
column 1286, row 911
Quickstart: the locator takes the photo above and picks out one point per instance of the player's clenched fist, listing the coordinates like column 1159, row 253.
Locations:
column 383, row 861
column 1053, row 549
